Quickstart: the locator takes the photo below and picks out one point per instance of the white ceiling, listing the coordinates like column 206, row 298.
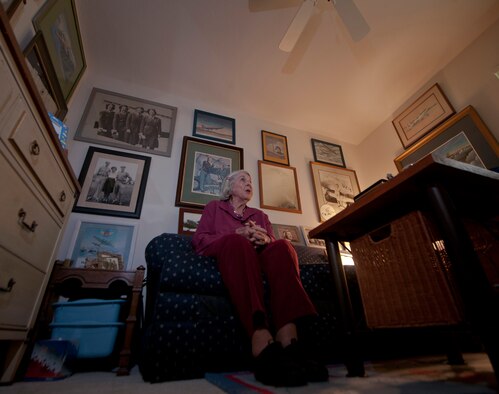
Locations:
column 224, row 54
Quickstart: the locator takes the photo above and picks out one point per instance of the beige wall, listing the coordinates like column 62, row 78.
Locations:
column 468, row 79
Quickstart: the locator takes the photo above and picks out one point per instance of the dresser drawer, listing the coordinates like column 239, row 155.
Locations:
column 31, row 235
column 22, row 132
column 9, row 91
column 21, row 285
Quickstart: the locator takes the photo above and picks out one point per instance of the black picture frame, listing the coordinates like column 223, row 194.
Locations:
column 328, row 153
column 214, row 127
column 119, row 198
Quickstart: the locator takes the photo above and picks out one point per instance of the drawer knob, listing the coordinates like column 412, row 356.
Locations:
column 9, row 287
column 22, row 215
column 34, row 148
column 62, row 196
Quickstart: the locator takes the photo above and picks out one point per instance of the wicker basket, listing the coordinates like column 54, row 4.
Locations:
column 404, row 276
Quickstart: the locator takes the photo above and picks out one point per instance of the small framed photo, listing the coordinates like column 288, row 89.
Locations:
column 103, row 245
column 58, row 22
column 427, row 112
column 335, row 188
column 278, row 187
column 188, row 220
column 112, row 183
column 328, row 153
column 214, row 127
column 312, row 242
column 464, row 138
column 43, row 73
column 203, row 167
column 291, row 233
column 127, row 122
column 275, row 148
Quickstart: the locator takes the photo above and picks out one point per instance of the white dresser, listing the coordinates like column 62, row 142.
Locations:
column 37, row 192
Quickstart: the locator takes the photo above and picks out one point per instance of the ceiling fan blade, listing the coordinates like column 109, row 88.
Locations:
column 352, row 18
column 297, row 25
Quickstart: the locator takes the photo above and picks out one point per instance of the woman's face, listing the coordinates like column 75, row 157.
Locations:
column 242, row 187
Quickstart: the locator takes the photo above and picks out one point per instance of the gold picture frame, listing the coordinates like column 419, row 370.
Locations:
column 275, row 148
column 427, row 112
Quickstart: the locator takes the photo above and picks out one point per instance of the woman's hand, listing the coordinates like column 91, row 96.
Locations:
column 254, row 233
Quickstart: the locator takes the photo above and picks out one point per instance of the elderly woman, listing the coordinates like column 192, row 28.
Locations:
column 242, row 241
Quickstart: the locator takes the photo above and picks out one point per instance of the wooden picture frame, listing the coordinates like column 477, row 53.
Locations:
column 278, row 187
column 335, row 188
column 291, row 233
column 58, row 22
column 328, row 153
column 103, row 244
column 188, row 220
column 312, row 242
column 43, row 73
column 427, row 112
column 466, row 123
column 112, row 183
column 214, row 127
column 275, row 148
column 203, row 168
column 104, row 122
column 10, row 6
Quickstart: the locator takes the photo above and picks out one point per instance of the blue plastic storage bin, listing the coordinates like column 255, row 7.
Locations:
column 87, row 310
column 94, row 339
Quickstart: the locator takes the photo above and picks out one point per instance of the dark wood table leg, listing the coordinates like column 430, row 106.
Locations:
column 480, row 305
column 351, row 346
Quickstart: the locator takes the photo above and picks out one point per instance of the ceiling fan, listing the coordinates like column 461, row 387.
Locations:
column 347, row 10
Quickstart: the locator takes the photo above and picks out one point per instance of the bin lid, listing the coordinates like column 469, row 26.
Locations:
column 88, row 301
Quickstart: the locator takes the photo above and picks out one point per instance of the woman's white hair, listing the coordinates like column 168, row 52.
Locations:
column 228, row 183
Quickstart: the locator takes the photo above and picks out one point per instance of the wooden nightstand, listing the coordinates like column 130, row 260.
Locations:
column 76, row 283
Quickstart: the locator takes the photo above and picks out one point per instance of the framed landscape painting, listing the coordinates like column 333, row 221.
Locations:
column 112, row 183
column 58, row 22
column 327, row 152
column 203, row 167
column 188, row 220
column 214, row 127
column 126, row 122
column 275, row 148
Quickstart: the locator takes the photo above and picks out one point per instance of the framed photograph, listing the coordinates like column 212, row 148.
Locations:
column 58, row 22
column 312, row 242
column 102, row 245
column 335, row 188
column 326, row 152
column 112, row 183
column 10, row 6
column 203, row 168
column 275, row 148
column 278, row 187
column 427, row 112
column 464, row 137
column 291, row 233
column 127, row 122
column 214, row 127
column 43, row 73
column 188, row 220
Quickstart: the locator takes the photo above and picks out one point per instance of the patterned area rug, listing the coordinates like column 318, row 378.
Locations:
column 423, row 375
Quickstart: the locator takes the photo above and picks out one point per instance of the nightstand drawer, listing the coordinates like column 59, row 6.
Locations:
column 27, row 228
column 20, row 288
column 22, row 132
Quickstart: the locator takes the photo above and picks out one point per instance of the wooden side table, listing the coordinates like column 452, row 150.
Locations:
column 96, row 283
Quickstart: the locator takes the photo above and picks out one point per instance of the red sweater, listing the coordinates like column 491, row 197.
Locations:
column 219, row 219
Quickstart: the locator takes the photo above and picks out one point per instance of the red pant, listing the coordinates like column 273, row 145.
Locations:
column 241, row 266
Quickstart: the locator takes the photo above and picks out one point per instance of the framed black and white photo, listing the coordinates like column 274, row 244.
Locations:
column 278, row 187
column 288, row 232
column 58, row 22
column 126, row 122
column 214, row 127
column 43, row 73
column 203, row 167
column 328, row 153
column 335, row 188
column 112, row 183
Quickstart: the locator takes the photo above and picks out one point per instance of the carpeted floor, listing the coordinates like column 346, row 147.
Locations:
column 423, row 375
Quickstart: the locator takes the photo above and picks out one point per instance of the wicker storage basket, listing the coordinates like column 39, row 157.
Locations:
column 404, row 277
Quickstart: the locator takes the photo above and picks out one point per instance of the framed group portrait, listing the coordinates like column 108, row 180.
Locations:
column 214, row 127
column 204, row 165
column 112, row 183
column 335, row 188
column 126, row 122
column 57, row 20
